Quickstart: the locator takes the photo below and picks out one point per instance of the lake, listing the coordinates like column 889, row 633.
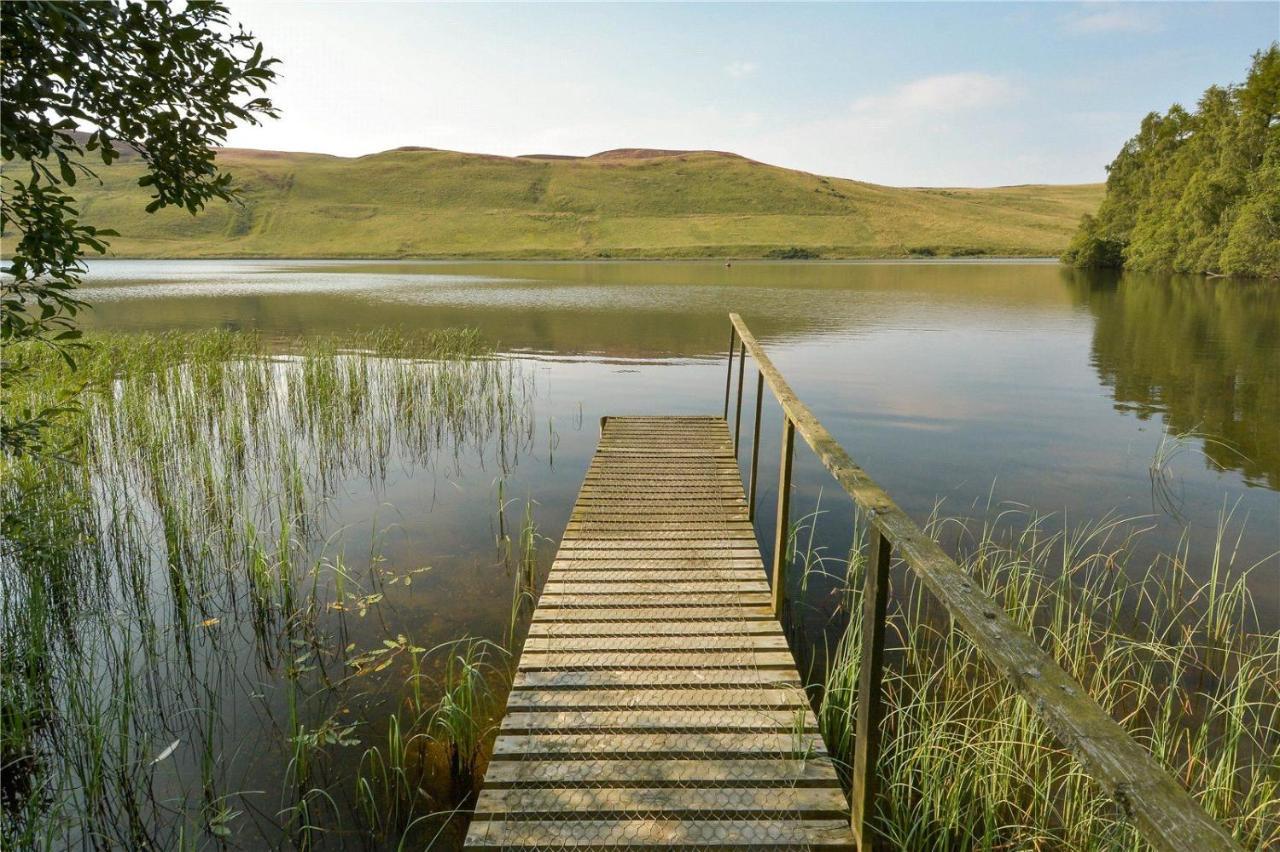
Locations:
column 985, row 390
column 959, row 383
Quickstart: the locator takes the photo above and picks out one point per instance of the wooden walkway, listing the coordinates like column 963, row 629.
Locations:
column 656, row 704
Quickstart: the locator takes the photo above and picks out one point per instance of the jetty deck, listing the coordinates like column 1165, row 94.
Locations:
column 656, row 703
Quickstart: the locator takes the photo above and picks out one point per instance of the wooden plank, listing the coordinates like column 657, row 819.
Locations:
column 646, row 476
column 615, row 576
column 645, row 545
column 618, row 463
column 666, row 802
column 644, row 720
column 652, row 697
column 536, row 661
column 605, row 539
column 661, row 523
column 647, row 834
column 644, row 498
column 707, row 523
column 689, row 774
column 558, row 586
column 602, row 532
column 665, row 601
column 603, row 611
column 548, row 644
column 607, row 627
column 659, row 562
column 591, row 746
column 709, row 678
column 675, row 492
column 660, row 507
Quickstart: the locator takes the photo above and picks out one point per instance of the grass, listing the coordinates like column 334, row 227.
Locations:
column 183, row 635
column 966, row 764
column 425, row 203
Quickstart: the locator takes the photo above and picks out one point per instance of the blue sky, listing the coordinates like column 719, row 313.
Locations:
column 927, row 94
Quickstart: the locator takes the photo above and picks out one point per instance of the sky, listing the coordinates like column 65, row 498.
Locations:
column 907, row 94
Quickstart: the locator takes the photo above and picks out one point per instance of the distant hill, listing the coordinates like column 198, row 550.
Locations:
column 423, row 202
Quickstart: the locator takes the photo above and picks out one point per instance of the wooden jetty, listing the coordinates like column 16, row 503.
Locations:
column 656, row 704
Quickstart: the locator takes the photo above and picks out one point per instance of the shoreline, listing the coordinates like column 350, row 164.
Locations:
column 868, row 259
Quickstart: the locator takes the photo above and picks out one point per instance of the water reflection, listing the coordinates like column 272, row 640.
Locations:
column 1054, row 386
column 616, row 309
column 1202, row 353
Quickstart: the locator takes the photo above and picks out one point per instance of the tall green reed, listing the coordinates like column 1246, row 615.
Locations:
column 183, row 521
column 1179, row 661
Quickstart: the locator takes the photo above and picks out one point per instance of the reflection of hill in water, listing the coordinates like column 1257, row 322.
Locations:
column 650, row 309
column 1205, row 354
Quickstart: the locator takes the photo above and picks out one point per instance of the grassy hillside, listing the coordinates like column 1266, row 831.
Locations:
column 425, row 203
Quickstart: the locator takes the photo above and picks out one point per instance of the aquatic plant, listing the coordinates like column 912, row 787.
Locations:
column 967, row 764
column 174, row 565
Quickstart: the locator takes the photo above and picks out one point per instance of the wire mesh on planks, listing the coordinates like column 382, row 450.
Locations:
column 656, row 702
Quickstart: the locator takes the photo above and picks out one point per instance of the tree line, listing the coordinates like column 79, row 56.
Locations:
column 1196, row 192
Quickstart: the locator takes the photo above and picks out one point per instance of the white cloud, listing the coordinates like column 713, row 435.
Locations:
column 1110, row 21
column 740, row 68
column 940, row 93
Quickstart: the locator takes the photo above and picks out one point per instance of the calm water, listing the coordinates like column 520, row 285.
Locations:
column 973, row 386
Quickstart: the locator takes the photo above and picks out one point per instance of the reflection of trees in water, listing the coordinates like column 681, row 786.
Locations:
column 1204, row 353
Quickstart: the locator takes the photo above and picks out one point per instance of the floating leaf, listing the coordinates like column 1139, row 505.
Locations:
column 172, row 747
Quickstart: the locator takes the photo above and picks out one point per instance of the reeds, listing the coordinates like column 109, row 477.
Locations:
column 1179, row 662
column 172, row 567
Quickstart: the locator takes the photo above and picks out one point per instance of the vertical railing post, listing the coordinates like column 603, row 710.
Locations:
column 780, row 540
column 737, row 422
column 866, row 745
column 755, row 449
column 728, row 376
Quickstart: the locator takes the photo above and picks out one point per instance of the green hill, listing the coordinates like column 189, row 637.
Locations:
column 629, row 203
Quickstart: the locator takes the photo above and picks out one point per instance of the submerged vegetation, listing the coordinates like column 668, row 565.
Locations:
column 965, row 760
column 185, row 634
column 1196, row 191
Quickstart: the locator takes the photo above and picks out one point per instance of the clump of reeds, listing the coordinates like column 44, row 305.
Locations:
column 171, row 555
column 1179, row 662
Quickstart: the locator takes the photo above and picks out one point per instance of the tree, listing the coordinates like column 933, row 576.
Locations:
column 1196, row 191
column 84, row 81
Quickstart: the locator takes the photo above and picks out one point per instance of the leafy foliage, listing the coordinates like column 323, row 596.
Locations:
column 1196, row 191
column 146, row 80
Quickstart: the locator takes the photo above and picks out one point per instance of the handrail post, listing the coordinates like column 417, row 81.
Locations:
column 728, row 377
column 755, row 449
column 737, row 422
column 866, row 744
column 784, row 508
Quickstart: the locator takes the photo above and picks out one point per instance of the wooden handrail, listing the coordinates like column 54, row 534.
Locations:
column 1166, row 814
